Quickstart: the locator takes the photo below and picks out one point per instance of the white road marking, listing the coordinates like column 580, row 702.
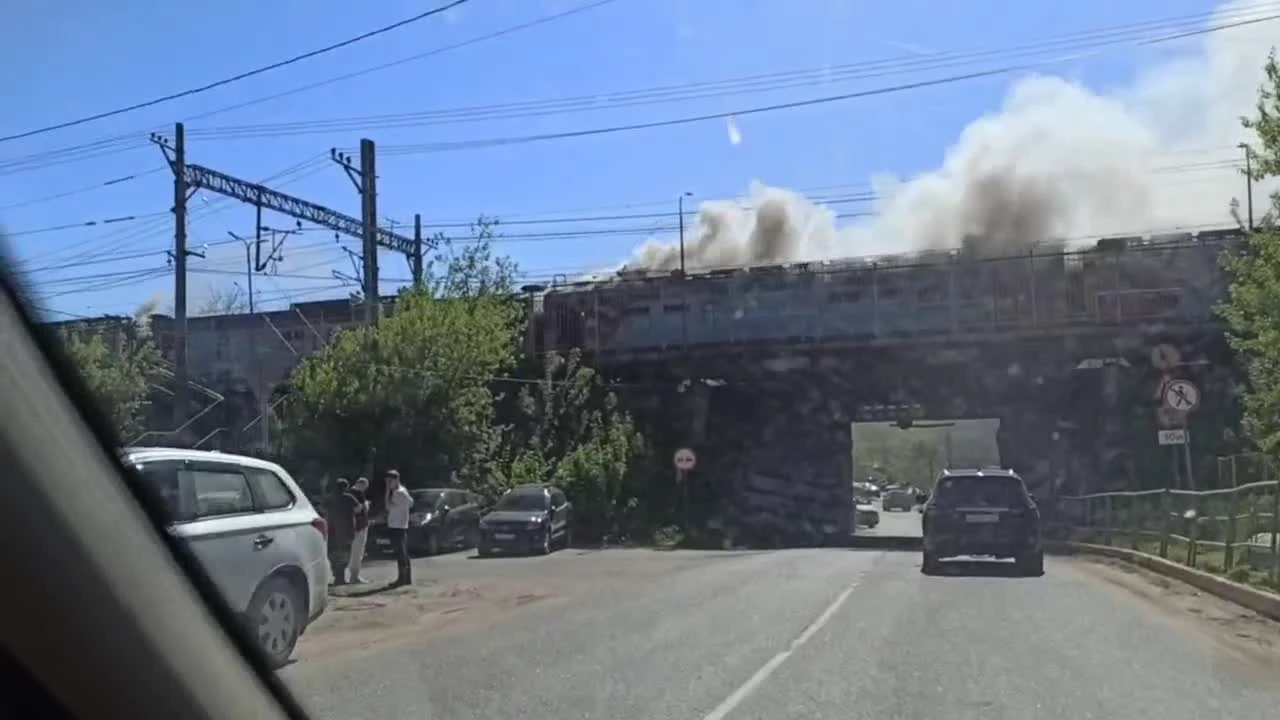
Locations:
column 735, row 698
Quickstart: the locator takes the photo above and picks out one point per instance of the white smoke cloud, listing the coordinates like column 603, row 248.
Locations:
column 1056, row 161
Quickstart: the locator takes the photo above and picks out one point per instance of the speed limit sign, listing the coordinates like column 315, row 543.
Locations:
column 685, row 460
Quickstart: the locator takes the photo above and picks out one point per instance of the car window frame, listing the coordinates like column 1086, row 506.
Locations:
column 259, row 506
column 218, row 467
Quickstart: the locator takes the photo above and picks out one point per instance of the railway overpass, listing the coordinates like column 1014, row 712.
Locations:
column 763, row 368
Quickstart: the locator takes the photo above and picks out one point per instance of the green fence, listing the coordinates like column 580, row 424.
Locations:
column 1233, row 530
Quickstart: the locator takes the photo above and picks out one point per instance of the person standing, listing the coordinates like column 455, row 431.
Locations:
column 341, row 517
column 399, row 501
column 361, row 493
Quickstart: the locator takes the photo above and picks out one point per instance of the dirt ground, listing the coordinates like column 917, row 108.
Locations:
column 1241, row 637
column 455, row 592
column 368, row 616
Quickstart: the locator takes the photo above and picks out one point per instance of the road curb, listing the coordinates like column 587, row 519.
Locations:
column 1262, row 602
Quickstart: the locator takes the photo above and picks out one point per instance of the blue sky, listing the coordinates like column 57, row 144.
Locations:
column 78, row 57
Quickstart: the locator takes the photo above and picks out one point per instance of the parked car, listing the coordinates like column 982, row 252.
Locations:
column 440, row 519
column 865, row 515
column 898, row 499
column 527, row 518
column 254, row 532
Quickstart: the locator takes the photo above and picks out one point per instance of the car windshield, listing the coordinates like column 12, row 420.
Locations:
column 425, row 500
column 522, row 501
column 980, row 491
column 1001, row 268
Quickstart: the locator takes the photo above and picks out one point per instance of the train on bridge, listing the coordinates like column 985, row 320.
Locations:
column 1169, row 279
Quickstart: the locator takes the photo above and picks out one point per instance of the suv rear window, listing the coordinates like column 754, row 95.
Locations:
column 991, row 491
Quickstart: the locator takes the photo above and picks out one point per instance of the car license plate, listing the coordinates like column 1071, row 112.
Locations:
column 382, row 541
column 981, row 518
column 503, row 536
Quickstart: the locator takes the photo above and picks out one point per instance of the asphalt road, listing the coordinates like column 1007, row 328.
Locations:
column 813, row 634
column 894, row 524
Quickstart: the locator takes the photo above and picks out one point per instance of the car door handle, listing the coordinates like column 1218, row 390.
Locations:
column 262, row 541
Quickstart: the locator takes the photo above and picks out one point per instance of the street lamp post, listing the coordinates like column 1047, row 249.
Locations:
column 680, row 212
column 1248, row 182
column 248, row 265
column 684, row 299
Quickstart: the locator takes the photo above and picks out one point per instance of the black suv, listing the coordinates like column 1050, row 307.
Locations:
column 985, row 512
column 527, row 518
column 440, row 519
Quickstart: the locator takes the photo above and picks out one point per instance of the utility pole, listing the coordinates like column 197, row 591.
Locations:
column 175, row 153
column 365, row 178
column 415, row 261
column 189, row 178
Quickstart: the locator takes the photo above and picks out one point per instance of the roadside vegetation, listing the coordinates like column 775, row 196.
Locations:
column 442, row 389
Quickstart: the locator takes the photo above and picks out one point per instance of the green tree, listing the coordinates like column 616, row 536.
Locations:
column 117, row 363
column 566, row 427
column 1251, row 308
column 415, row 390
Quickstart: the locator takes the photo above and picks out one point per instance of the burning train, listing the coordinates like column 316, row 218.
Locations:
column 1166, row 279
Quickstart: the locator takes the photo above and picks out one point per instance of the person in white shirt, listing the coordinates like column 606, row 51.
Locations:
column 399, row 501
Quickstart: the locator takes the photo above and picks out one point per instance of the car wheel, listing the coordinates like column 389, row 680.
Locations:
column 431, row 545
column 567, row 540
column 929, row 564
column 275, row 618
column 545, row 547
column 1031, row 565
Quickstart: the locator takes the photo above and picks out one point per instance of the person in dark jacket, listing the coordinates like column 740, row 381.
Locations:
column 341, row 517
column 360, row 490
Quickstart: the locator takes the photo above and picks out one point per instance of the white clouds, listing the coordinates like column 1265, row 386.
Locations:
column 1057, row 160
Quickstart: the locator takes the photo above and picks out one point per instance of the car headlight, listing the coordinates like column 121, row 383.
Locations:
column 420, row 518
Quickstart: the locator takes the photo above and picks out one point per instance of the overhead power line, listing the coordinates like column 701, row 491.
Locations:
column 130, row 177
column 813, row 195
column 1137, row 33
column 122, row 143
column 86, row 223
column 237, row 77
column 764, row 109
column 1177, row 26
column 503, row 32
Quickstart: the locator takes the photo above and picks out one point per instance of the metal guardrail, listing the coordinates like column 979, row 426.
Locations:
column 1230, row 530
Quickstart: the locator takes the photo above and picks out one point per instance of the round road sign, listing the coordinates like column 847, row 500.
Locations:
column 685, row 459
column 1181, row 395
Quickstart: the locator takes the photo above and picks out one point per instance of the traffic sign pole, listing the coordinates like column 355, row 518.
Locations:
column 684, row 460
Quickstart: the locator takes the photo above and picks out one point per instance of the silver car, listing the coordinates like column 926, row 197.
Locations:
column 254, row 532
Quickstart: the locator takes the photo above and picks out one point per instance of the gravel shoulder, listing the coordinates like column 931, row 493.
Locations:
column 460, row 591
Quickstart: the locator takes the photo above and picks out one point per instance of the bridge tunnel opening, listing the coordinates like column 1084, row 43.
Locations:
column 894, row 460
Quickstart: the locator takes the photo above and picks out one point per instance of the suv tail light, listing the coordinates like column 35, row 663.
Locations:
column 321, row 527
